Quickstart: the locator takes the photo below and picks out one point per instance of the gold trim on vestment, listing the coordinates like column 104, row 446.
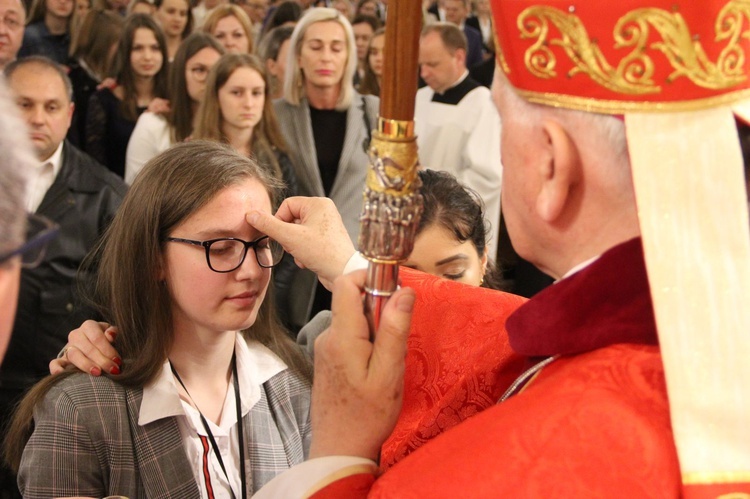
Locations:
column 604, row 106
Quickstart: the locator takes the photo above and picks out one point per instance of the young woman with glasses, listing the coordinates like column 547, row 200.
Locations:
column 186, row 278
column 155, row 132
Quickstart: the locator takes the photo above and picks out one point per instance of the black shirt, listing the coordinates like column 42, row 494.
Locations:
column 329, row 129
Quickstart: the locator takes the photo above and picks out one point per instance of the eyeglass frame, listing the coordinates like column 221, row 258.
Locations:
column 207, row 245
column 42, row 238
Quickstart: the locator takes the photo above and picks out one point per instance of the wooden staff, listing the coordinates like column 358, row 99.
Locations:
column 392, row 203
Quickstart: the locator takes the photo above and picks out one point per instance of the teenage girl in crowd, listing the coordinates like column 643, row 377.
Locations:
column 273, row 51
column 185, row 278
column 188, row 73
column 176, row 20
column 141, row 74
column 451, row 239
column 373, row 65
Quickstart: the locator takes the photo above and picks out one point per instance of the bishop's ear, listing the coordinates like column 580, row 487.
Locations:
column 559, row 172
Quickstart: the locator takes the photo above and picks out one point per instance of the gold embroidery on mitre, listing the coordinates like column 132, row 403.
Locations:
column 734, row 495
column 634, row 73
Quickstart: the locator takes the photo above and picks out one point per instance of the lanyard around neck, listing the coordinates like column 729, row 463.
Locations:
column 240, row 431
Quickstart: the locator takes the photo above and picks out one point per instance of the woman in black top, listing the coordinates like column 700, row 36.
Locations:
column 141, row 75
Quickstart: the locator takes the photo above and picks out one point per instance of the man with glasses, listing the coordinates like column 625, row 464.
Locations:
column 76, row 193
column 12, row 21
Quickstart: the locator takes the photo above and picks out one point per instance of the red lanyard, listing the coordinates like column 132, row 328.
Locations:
column 240, row 431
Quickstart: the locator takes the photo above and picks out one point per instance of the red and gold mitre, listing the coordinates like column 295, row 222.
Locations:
column 630, row 55
column 678, row 71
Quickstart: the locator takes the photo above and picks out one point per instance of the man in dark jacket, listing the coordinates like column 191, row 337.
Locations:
column 79, row 195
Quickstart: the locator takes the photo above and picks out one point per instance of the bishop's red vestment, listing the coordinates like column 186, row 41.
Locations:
column 592, row 423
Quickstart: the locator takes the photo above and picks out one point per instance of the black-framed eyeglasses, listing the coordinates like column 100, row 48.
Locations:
column 228, row 253
column 39, row 232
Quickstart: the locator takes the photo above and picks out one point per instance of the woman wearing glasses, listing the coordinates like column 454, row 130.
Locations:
column 185, row 278
column 155, row 132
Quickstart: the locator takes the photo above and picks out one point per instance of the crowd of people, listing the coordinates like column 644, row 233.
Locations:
column 190, row 179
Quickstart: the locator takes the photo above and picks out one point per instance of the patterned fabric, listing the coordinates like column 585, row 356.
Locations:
column 594, row 423
column 458, row 361
column 87, row 441
column 589, row 426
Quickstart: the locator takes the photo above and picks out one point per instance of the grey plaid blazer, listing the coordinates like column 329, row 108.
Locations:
column 87, row 441
column 347, row 188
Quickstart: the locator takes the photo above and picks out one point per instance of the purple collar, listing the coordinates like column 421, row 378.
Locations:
column 606, row 303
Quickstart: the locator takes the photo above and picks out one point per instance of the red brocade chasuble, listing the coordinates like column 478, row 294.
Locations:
column 593, row 423
column 458, row 363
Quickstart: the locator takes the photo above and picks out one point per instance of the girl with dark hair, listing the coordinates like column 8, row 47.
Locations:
column 370, row 84
column 141, row 74
column 451, row 239
column 176, row 20
column 286, row 13
column 210, row 382
column 273, row 51
column 155, row 132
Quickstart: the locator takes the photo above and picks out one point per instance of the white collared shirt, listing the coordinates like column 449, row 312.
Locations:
column 41, row 178
column 256, row 364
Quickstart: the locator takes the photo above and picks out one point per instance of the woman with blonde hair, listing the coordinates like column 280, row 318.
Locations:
column 231, row 26
column 327, row 125
column 213, row 396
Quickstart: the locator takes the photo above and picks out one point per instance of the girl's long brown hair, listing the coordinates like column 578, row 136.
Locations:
column 123, row 71
column 181, row 114
column 266, row 136
column 127, row 289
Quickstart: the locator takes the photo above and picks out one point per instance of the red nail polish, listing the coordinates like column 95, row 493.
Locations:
column 115, row 370
column 117, row 360
column 95, row 371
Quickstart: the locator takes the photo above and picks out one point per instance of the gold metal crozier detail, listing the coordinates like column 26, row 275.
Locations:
column 634, row 73
column 392, row 203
